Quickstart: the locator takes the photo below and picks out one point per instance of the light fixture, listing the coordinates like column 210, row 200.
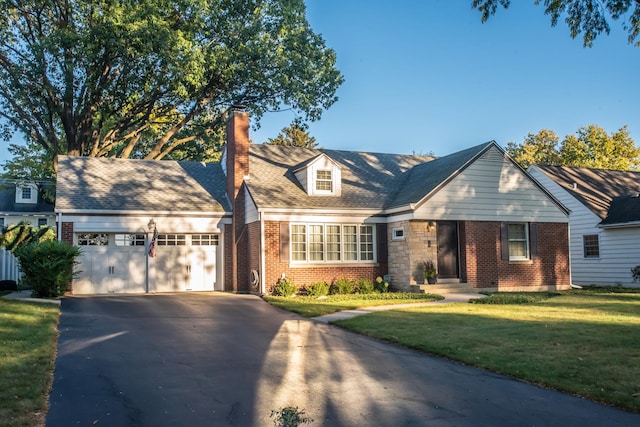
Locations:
column 151, row 225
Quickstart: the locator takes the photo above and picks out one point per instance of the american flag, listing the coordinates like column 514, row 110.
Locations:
column 152, row 245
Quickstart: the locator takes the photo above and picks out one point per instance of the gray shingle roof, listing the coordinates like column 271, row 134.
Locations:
column 623, row 210
column 107, row 184
column 594, row 188
column 373, row 181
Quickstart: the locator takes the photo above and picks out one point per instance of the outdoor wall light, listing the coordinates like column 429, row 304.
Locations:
column 151, row 225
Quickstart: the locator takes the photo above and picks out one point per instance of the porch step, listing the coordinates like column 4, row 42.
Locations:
column 444, row 288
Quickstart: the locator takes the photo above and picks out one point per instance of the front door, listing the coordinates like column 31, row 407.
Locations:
column 447, row 232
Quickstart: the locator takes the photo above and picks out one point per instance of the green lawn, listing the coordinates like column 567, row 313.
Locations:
column 313, row 306
column 584, row 343
column 28, row 335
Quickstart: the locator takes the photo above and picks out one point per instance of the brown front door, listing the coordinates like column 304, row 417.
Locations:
column 447, row 232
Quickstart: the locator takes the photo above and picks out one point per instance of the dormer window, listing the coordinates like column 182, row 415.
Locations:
column 26, row 193
column 324, row 181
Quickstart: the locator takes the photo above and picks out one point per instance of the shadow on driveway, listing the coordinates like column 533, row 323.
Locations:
column 213, row 359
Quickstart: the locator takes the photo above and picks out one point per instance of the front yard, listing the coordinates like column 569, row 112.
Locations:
column 582, row 342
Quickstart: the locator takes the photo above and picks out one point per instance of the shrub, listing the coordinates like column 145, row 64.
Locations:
column 364, row 286
column 23, row 233
column 381, row 285
column 47, row 266
column 318, row 289
column 635, row 272
column 342, row 287
column 284, row 287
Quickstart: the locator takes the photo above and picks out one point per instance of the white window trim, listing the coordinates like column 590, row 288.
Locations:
column 20, row 193
column 527, row 243
column 398, row 233
column 331, row 181
column 325, row 261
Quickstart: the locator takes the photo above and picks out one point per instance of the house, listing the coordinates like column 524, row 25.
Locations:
column 604, row 220
column 22, row 201
column 311, row 215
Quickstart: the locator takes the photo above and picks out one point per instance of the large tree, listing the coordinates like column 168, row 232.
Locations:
column 591, row 147
column 587, row 17
column 144, row 78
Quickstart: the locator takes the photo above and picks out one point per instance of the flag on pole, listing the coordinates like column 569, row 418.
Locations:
column 152, row 245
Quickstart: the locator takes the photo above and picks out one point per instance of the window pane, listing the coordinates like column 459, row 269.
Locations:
column 324, row 181
column 204, row 240
column 93, row 239
column 316, row 243
column 518, row 241
column 591, row 246
column 516, row 232
column 298, row 242
column 366, row 243
column 333, row 243
column 350, row 242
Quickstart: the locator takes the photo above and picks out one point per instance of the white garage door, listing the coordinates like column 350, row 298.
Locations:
column 116, row 263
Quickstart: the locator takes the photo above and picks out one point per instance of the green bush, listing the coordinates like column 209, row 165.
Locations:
column 342, row 287
column 635, row 272
column 318, row 289
column 381, row 285
column 284, row 287
column 364, row 286
column 47, row 266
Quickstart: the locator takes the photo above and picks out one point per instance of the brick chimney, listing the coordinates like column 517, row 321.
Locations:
column 237, row 151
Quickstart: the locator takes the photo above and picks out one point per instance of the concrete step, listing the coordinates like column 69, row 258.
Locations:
column 444, row 288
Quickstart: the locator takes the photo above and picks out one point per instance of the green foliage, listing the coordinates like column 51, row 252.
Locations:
column 514, row 297
column 47, row 266
column 142, row 79
column 635, row 272
column 318, row 289
column 295, row 135
column 284, row 287
column 381, row 285
column 590, row 147
column 364, row 286
column 31, row 162
column 342, row 286
column 289, row 417
column 430, row 270
column 587, row 17
column 23, row 233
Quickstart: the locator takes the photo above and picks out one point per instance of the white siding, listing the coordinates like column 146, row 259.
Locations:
column 491, row 189
column 619, row 248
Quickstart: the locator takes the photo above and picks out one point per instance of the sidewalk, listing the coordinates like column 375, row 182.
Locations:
column 26, row 296
column 348, row 314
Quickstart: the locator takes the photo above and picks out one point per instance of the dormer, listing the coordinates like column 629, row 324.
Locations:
column 26, row 193
column 320, row 176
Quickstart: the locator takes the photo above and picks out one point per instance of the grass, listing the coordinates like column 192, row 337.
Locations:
column 28, row 334
column 312, row 306
column 582, row 342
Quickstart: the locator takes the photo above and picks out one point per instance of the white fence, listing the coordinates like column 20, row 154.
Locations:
column 9, row 268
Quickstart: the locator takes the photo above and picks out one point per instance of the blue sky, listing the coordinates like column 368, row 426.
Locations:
column 428, row 76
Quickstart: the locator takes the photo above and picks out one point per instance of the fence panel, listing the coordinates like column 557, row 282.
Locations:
column 9, row 267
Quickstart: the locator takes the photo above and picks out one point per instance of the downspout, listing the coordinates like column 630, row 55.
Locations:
column 59, row 226
column 262, row 255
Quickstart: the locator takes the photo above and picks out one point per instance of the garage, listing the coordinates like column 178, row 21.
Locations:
column 118, row 263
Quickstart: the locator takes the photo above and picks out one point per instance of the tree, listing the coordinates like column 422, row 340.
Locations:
column 587, row 17
column 295, row 135
column 30, row 162
column 140, row 79
column 589, row 147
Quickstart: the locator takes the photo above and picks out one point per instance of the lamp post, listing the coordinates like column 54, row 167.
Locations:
column 151, row 226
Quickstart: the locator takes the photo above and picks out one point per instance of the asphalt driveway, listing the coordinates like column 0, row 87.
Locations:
column 212, row 359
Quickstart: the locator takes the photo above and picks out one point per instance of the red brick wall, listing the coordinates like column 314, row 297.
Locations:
column 481, row 253
column 67, row 232
column 302, row 276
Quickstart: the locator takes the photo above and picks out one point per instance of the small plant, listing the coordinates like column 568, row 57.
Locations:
column 364, row 286
column 318, row 289
column 635, row 272
column 381, row 285
column 430, row 272
column 342, row 287
column 284, row 287
column 289, row 417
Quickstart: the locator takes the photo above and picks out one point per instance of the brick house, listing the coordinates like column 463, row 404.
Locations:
column 317, row 215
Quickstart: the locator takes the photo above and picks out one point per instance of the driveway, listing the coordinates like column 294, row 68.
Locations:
column 212, row 359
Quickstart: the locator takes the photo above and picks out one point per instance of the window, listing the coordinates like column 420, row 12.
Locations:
column 398, row 234
column 26, row 193
column 130, row 240
column 172, row 239
column 324, row 181
column 518, row 242
column 42, row 222
column 204, row 240
column 591, row 245
column 332, row 243
column 93, row 239
column 2, row 223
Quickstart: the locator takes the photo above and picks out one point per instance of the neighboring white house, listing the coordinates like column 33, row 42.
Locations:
column 23, row 201
column 604, row 220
